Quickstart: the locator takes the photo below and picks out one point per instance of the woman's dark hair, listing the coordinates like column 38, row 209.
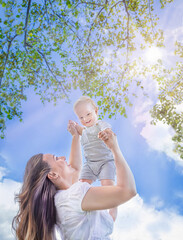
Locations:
column 37, row 213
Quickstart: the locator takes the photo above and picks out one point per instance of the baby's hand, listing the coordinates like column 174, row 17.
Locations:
column 72, row 122
column 79, row 129
column 71, row 127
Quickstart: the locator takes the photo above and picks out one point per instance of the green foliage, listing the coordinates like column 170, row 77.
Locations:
column 164, row 2
column 169, row 109
column 54, row 46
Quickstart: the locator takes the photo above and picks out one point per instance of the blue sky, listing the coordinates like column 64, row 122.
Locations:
column 157, row 211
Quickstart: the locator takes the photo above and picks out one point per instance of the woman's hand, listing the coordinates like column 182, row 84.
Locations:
column 109, row 138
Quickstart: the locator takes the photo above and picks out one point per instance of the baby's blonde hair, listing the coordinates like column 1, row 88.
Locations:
column 85, row 99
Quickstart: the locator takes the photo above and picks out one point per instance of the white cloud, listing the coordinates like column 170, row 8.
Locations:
column 179, row 195
column 176, row 34
column 179, row 108
column 171, row 36
column 3, row 172
column 8, row 188
column 157, row 202
column 138, row 221
column 141, row 111
column 159, row 136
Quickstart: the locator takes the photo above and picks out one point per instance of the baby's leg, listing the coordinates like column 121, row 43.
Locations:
column 112, row 211
column 86, row 180
column 86, row 174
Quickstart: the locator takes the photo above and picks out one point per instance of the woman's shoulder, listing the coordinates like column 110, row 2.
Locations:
column 78, row 188
column 72, row 197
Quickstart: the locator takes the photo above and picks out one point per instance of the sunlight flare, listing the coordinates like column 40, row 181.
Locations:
column 153, row 54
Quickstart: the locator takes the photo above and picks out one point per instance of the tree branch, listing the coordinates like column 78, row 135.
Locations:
column 64, row 21
column 128, row 24
column 26, row 21
column 114, row 6
column 47, row 64
column 93, row 25
column 92, row 3
column 6, row 60
column 152, row 25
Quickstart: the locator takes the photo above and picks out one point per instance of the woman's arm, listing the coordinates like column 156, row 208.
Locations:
column 106, row 197
column 75, row 158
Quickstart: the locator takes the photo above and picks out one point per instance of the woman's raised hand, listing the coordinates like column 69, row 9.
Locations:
column 109, row 138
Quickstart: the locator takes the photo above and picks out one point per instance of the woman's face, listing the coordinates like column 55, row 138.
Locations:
column 59, row 165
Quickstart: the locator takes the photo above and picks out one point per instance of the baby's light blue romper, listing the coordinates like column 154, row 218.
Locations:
column 99, row 159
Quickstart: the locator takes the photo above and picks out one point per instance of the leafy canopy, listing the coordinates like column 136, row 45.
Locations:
column 54, row 46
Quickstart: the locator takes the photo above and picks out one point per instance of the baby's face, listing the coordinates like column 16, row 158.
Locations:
column 87, row 114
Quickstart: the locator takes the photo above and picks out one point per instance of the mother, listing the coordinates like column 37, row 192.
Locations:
column 52, row 195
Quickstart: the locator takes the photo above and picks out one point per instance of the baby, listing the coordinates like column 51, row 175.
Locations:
column 99, row 159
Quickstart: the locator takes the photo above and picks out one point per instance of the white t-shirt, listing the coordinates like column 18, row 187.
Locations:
column 76, row 224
